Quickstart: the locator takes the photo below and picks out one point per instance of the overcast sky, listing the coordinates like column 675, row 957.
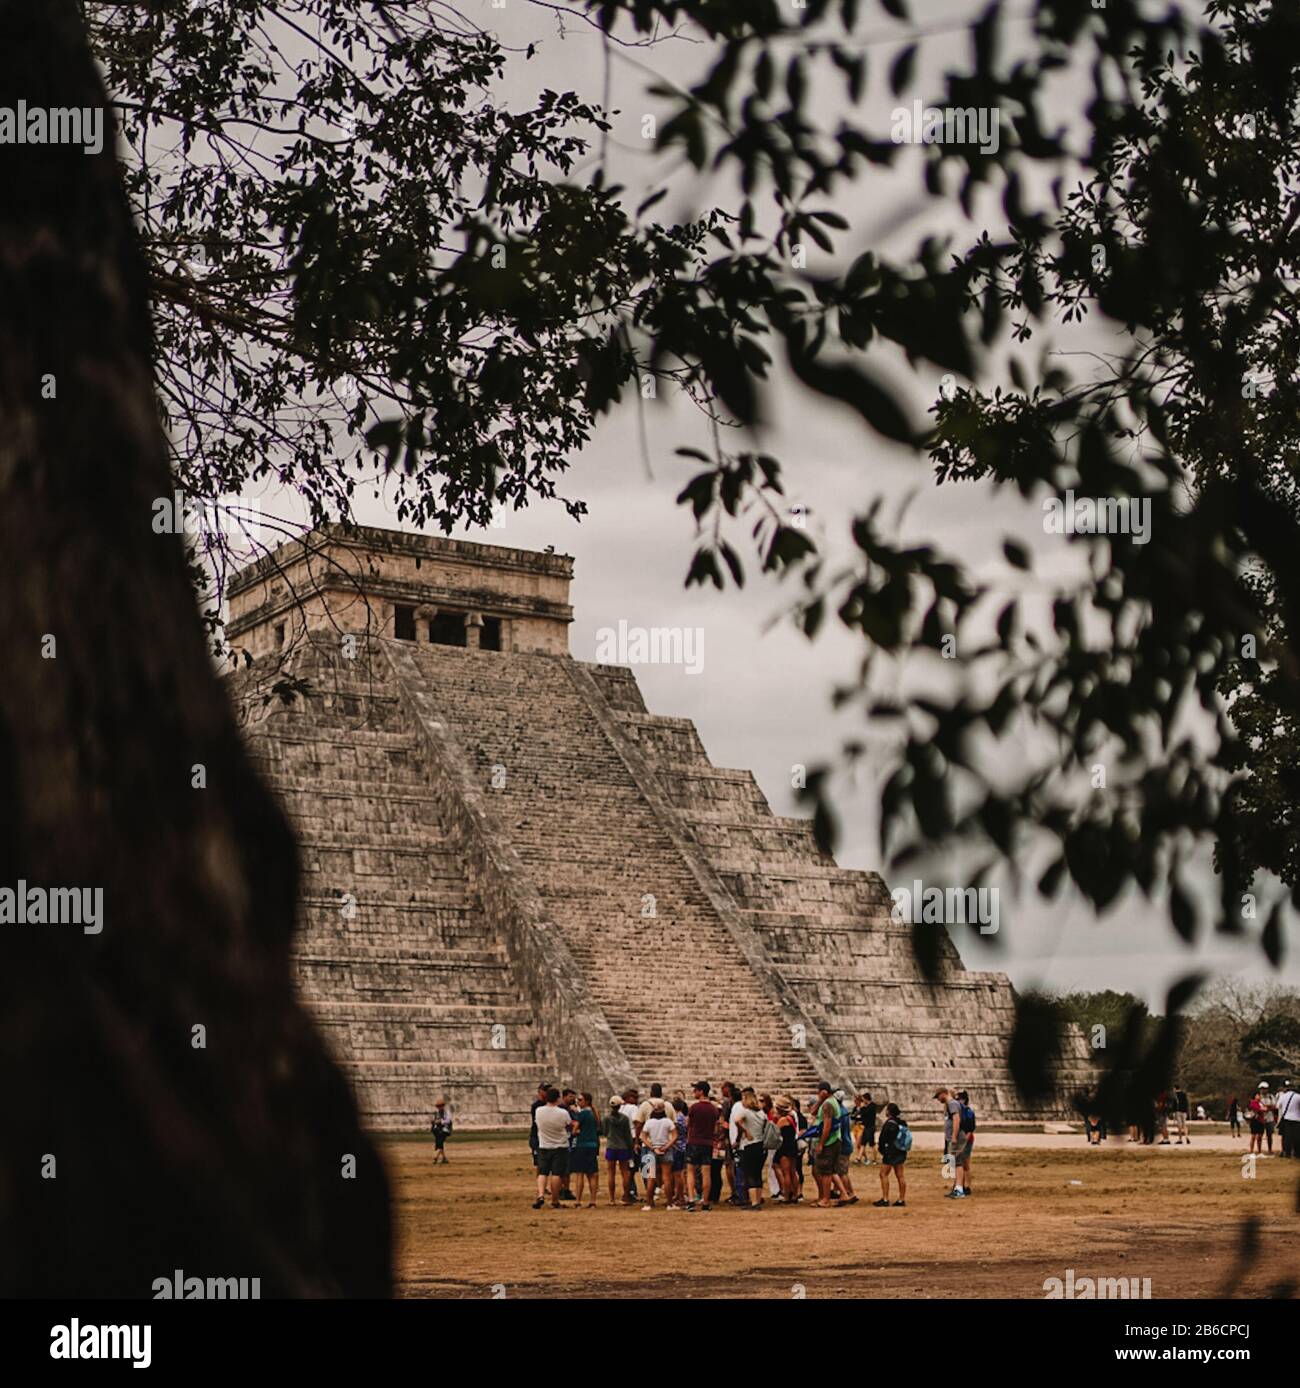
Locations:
column 762, row 699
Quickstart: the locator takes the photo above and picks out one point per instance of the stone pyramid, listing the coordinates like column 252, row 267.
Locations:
column 512, row 871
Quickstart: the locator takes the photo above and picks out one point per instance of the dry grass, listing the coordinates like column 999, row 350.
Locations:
column 1173, row 1215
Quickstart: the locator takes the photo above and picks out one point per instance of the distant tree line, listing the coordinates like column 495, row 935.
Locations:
column 1235, row 1035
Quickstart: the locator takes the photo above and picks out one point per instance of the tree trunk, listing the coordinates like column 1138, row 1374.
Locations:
column 133, row 1144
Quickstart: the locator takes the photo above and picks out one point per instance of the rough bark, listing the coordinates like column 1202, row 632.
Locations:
column 223, row 1160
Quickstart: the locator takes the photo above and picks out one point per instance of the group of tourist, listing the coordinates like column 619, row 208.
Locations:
column 1268, row 1113
column 1150, row 1122
column 760, row 1146
column 734, row 1136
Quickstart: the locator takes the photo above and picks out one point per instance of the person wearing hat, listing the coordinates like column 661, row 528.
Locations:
column 616, row 1129
column 643, row 1158
column 658, row 1136
column 1257, row 1109
column 784, row 1162
column 1270, row 1115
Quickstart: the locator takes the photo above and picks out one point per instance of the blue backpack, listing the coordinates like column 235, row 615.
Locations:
column 903, row 1138
column 846, row 1129
column 967, row 1119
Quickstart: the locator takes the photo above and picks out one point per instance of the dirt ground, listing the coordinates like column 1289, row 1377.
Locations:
column 1175, row 1215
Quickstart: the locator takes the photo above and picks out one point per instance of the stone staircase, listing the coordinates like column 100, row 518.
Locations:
column 395, row 954
column 828, row 929
column 671, row 980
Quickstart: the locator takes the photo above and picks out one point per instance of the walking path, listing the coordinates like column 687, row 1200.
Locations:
column 932, row 1140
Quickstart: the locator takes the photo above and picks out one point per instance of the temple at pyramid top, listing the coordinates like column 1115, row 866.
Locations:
column 413, row 587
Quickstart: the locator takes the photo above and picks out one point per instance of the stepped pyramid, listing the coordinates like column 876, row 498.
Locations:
column 513, row 871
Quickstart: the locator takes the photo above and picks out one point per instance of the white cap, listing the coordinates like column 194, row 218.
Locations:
column 1263, row 1084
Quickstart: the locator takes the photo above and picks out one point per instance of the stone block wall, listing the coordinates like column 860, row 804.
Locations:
column 513, row 872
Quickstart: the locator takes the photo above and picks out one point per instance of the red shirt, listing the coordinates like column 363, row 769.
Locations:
column 701, row 1118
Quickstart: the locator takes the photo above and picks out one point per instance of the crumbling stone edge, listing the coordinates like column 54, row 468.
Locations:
column 571, row 1026
column 818, row 1050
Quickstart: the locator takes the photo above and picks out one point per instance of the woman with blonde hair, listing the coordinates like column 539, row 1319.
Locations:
column 750, row 1124
column 783, row 1163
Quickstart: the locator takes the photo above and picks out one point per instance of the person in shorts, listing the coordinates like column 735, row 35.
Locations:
column 825, row 1145
column 569, row 1102
column 555, row 1126
column 842, row 1182
column 701, row 1128
column 677, row 1174
column 585, row 1150
column 750, row 1123
column 892, row 1157
column 616, row 1129
column 954, row 1140
column 868, row 1113
column 784, row 1160
column 1255, row 1111
column 658, row 1137
column 964, row 1149
column 1182, row 1112
column 440, row 1127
